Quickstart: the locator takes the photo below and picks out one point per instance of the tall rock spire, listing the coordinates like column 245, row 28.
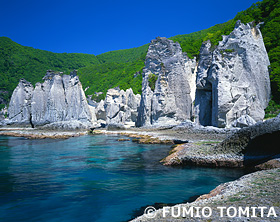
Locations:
column 166, row 88
column 233, row 86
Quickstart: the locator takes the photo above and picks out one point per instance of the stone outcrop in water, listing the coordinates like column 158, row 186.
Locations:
column 233, row 86
column 168, row 85
column 58, row 99
column 119, row 107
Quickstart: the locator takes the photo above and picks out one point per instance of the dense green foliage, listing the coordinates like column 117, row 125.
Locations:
column 2, row 106
column 102, row 77
column 125, row 55
column 118, row 68
column 191, row 43
column 152, row 81
column 272, row 110
column 17, row 61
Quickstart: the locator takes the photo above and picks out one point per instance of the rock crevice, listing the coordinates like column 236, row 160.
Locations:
column 233, row 86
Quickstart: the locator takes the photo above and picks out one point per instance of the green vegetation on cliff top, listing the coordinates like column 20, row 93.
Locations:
column 118, row 68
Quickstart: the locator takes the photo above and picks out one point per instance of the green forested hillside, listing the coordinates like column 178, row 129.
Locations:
column 118, row 68
column 125, row 55
column 17, row 61
column 100, row 78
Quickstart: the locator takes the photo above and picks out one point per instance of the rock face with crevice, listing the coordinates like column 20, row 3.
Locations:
column 19, row 110
column 59, row 98
column 168, row 85
column 233, row 86
column 119, row 107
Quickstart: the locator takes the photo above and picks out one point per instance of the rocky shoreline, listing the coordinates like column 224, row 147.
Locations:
column 31, row 133
column 202, row 154
column 259, row 189
column 252, row 147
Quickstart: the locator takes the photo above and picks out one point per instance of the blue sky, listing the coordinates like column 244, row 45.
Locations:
column 95, row 27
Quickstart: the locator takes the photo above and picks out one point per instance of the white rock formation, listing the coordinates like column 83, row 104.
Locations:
column 169, row 101
column 233, row 80
column 19, row 110
column 59, row 98
column 119, row 107
column 100, row 111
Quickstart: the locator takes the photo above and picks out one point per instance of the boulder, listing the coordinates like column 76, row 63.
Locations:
column 119, row 107
column 257, row 143
column 244, row 121
column 100, row 111
column 233, row 83
column 168, row 85
column 115, row 126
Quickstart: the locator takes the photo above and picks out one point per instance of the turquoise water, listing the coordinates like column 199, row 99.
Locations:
column 92, row 178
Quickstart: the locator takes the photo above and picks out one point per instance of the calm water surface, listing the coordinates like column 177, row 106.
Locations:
column 92, row 178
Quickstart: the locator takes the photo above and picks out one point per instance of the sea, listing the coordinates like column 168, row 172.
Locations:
column 94, row 178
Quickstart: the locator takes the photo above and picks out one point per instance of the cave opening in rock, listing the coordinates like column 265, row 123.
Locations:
column 204, row 101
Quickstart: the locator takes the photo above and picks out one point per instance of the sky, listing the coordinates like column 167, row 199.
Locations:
column 95, row 27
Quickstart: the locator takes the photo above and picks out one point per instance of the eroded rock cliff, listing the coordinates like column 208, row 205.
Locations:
column 59, row 98
column 233, row 86
column 167, row 92
column 19, row 110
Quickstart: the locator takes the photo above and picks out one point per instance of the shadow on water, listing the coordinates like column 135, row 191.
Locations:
column 262, row 149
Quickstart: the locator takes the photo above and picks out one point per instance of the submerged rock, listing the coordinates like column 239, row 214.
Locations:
column 168, row 85
column 233, row 86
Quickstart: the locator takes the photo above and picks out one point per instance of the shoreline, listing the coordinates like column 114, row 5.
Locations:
column 258, row 189
column 31, row 133
column 187, row 147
